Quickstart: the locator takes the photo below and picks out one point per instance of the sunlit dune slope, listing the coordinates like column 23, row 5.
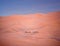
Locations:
column 30, row 30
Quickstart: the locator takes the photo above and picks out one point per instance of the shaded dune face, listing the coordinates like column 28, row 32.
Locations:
column 30, row 30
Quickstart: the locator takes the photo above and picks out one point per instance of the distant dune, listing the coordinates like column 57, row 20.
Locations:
column 30, row 29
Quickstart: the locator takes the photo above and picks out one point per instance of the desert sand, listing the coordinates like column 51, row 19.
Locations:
column 30, row 30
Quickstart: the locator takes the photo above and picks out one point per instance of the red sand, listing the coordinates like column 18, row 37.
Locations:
column 18, row 30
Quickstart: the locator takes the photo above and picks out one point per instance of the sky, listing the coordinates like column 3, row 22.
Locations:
column 9, row 7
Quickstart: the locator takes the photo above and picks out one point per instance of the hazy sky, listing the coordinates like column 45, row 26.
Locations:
column 8, row 7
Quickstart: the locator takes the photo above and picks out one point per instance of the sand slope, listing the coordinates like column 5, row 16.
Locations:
column 30, row 30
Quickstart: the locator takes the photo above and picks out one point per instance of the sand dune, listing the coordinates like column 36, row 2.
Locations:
column 30, row 30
